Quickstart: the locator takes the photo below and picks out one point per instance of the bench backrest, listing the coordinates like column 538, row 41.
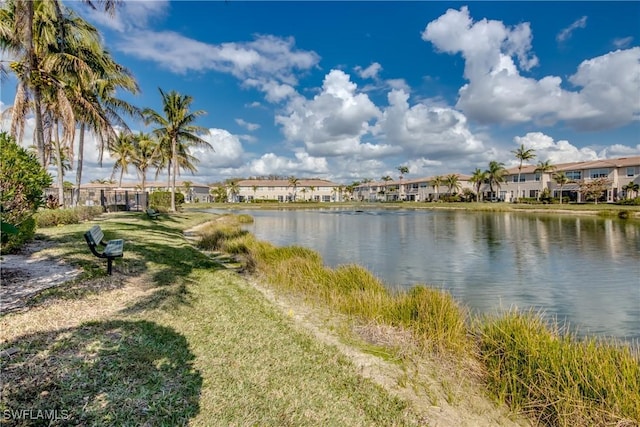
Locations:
column 94, row 235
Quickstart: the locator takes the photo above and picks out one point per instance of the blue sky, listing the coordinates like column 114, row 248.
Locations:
column 352, row 90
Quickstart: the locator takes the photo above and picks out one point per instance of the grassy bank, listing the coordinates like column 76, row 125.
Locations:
column 553, row 377
column 173, row 337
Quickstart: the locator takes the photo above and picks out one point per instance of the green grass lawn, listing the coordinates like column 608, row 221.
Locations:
column 173, row 337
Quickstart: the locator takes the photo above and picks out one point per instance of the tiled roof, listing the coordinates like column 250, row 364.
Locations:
column 285, row 183
column 591, row 164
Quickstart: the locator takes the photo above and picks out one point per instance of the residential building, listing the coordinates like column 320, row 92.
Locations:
column 414, row 190
column 282, row 190
column 523, row 183
column 616, row 172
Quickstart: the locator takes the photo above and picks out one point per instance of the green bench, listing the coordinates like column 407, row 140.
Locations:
column 153, row 214
column 112, row 249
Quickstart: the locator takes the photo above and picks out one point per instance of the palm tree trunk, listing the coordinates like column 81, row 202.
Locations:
column 31, row 65
column 76, row 195
column 58, row 149
column 174, row 156
column 561, row 194
column 39, row 135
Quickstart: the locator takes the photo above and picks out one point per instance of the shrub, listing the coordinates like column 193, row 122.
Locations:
column 22, row 184
column 630, row 202
column 26, row 231
column 53, row 217
column 161, row 200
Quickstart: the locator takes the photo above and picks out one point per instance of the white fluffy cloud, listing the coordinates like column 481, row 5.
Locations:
column 555, row 151
column 607, row 86
column 301, row 165
column 334, row 122
column 424, row 130
column 227, row 150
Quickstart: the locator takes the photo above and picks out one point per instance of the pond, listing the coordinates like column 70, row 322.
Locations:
column 581, row 270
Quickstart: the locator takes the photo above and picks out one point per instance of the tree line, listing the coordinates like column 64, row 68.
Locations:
column 69, row 83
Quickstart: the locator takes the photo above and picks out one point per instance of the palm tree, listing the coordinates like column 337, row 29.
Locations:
column 187, row 185
column 542, row 168
column 293, row 182
column 255, row 189
column 386, row 180
column 334, row 191
column 478, row 178
column 453, row 183
column 436, row 182
column 219, row 194
column 312, row 189
column 495, row 175
column 61, row 156
column 62, row 79
column 122, row 149
column 176, row 128
column 143, row 155
column 631, row 188
column 234, row 189
column 523, row 154
column 561, row 179
column 403, row 171
column 28, row 31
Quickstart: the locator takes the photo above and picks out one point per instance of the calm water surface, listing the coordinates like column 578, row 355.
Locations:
column 580, row 269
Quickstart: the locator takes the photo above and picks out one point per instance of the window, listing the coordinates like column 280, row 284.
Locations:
column 598, row 173
column 632, row 171
column 515, row 178
column 538, row 176
column 573, row 175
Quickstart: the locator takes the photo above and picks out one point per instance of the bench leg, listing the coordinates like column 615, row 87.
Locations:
column 109, row 262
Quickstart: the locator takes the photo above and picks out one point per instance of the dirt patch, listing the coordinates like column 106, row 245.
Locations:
column 30, row 271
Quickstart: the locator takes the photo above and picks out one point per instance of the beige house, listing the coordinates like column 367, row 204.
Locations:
column 414, row 190
column 281, row 190
column 617, row 173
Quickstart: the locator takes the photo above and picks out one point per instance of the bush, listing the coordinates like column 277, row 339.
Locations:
column 161, row 200
column 26, row 231
column 54, row 217
column 630, row 202
column 22, row 184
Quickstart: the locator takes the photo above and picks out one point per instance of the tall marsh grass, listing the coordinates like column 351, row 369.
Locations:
column 433, row 317
column 556, row 378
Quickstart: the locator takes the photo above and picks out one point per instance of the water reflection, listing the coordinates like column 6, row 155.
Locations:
column 585, row 270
